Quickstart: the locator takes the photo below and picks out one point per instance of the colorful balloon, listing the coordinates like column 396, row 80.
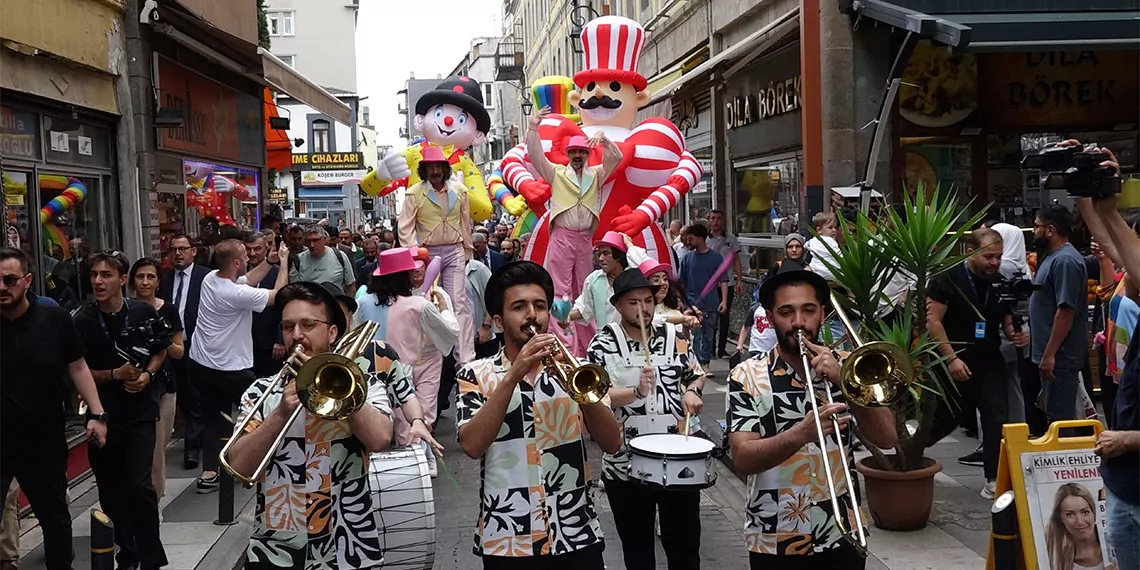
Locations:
column 552, row 91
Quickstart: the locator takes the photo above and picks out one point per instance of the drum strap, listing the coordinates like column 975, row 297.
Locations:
column 637, row 360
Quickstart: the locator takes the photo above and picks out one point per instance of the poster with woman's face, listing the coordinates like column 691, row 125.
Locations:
column 1067, row 511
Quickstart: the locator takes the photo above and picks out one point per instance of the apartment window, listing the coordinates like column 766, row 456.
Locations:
column 321, row 136
column 290, row 60
column 280, row 23
column 489, row 95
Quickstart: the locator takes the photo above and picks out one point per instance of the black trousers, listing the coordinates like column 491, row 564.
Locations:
column 634, row 505
column 722, row 331
column 220, row 390
column 987, row 388
column 841, row 557
column 589, row 558
column 127, row 495
column 1030, row 390
column 189, row 400
column 42, row 473
column 264, row 365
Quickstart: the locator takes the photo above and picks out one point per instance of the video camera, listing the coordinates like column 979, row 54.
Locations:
column 1015, row 293
column 143, row 340
column 1076, row 170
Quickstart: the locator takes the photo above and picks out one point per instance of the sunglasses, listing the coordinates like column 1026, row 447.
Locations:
column 12, row 280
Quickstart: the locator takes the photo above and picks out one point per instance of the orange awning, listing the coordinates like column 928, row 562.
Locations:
column 278, row 147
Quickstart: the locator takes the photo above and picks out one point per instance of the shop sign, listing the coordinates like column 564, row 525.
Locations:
column 278, row 195
column 18, row 133
column 331, row 177
column 329, row 161
column 1056, row 89
column 367, row 204
column 778, row 98
column 219, row 122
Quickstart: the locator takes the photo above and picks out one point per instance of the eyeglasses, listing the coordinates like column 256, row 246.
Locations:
column 12, row 280
column 306, row 325
column 179, row 249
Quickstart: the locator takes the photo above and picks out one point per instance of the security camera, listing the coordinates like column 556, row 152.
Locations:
column 149, row 12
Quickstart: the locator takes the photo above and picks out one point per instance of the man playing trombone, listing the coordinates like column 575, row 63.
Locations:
column 321, row 465
column 654, row 390
column 791, row 522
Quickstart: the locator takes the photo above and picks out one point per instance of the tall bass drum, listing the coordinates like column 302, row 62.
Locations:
column 405, row 507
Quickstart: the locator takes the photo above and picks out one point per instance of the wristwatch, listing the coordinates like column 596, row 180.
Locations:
column 696, row 390
column 101, row 416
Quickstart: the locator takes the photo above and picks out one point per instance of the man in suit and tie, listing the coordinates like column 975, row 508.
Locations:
column 491, row 258
column 182, row 286
column 268, row 347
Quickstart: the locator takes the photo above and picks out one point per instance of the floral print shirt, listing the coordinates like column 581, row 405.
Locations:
column 534, row 498
column 624, row 365
column 314, row 507
column 789, row 508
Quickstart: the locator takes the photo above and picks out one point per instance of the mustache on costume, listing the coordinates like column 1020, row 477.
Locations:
column 604, row 101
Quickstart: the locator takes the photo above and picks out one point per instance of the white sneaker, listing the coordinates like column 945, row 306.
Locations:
column 989, row 491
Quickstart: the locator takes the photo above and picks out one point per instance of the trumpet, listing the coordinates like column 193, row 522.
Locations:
column 875, row 374
column 331, row 386
column 586, row 383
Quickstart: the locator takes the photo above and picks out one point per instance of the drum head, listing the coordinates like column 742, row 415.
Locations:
column 671, row 445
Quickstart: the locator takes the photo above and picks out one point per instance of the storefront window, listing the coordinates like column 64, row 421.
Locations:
column 72, row 142
column 768, row 197
column 217, row 195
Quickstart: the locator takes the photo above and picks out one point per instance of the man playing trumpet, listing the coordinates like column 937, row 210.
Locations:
column 654, row 392
column 790, row 522
column 314, row 508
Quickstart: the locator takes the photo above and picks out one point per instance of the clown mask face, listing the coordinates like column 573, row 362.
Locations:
column 610, row 103
column 449, row 125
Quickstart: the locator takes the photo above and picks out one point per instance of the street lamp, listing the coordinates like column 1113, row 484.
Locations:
column 527, row 107
column 579, row 9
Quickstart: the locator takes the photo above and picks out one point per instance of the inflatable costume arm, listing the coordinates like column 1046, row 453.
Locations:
column 515, row 173
column 684, row 177
column 477, row 196
column 394, row 171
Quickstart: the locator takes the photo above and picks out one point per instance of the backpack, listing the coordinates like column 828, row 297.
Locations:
column 346, row 267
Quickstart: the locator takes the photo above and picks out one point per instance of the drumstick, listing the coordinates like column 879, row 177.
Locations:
column 644, row 336
column 688, row 422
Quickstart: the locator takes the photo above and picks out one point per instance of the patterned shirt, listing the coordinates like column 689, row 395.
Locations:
column 314, row 507
column 625, row 372
column 789, row 509
column 535, row 501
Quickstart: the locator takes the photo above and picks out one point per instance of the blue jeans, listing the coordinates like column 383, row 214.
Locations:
column 703, row 338
column 1123, row 531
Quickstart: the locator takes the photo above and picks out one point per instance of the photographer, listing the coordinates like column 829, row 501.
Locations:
column 966, row 318
column 122, row 466
column 1119, row 448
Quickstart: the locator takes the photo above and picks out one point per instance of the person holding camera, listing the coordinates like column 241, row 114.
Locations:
column 112, row 329
column 1058, row 320
column 966, row 318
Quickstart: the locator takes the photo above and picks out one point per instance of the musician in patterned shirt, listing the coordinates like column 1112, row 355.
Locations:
column 789, row 521
column 653, row 390
column 314, row 507
column 535, row 509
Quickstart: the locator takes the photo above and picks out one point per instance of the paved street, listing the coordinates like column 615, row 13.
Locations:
column 956, row 539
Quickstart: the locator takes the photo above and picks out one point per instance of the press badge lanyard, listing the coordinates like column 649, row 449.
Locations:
column 983, row 295
column 126, row 322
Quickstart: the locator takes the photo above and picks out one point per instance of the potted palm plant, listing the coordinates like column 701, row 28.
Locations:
column 920, row 241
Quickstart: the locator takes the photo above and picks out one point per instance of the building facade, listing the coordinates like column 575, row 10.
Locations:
column 413, row 89
column 313, row 37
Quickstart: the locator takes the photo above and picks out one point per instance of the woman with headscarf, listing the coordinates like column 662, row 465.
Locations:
column 1013, row 260
column 794, row 252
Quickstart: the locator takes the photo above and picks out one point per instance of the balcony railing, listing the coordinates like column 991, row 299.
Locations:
column 509, row 58
column 402, row 108
column 404, row 133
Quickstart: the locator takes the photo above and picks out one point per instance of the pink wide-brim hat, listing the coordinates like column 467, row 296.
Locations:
column 651, row 266
column 579, row 142
column 612, row 239
column 396, row 260
column 433, row 154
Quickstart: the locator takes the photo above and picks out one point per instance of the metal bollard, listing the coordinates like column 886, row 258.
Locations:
column 1004, row 532
column 102, row 541
column 226, row 486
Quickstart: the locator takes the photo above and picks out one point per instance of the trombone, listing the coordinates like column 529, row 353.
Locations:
column 875, row 374
column 585, row 383
column 331, row 386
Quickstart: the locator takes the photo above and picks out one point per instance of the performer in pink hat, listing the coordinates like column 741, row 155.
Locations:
column 436, row 215
column 574, row 205
column 593, row 308
column 655, row 170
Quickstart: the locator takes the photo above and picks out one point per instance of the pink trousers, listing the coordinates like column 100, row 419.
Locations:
column 570, row 258
column 425, row 380
column 452, row 277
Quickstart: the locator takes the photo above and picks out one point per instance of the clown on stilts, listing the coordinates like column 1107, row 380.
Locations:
column 655, row 170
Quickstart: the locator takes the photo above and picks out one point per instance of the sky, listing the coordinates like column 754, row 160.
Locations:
column 396, row 38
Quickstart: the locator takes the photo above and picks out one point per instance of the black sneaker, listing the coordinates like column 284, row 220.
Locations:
column 973, row 459
column 207, row 485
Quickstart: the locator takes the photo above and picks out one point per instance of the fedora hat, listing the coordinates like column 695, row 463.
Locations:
column 629, row 280
column 396, row 260
column 612, row 239
column 578, row 142
column 793, row 273
column 433, row 154
column 339, row 295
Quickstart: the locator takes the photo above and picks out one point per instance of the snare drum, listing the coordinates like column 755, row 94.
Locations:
column 405, row 507
column 672, row 461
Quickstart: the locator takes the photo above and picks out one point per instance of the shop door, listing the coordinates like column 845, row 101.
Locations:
column 70, row 226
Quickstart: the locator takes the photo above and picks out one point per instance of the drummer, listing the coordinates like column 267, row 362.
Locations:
column 652, row 394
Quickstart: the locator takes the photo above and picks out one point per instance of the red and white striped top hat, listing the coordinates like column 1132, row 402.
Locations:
column 611, row 47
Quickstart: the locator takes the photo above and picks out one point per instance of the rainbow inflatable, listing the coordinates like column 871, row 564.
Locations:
column 73, row 192
column 551, row 91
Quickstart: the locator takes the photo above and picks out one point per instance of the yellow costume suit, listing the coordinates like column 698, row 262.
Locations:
column 477, row 196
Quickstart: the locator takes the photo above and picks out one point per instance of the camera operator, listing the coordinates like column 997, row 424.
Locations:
column 122, row 467
column 1119, row 448
column 1058, row 322
column 964, row 312
column 1014, row 267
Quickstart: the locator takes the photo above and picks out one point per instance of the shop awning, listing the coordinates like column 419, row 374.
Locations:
column 278, row 147
column 941, row 30
column 750, row 48
column 286, row 80
column 1052, row 30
